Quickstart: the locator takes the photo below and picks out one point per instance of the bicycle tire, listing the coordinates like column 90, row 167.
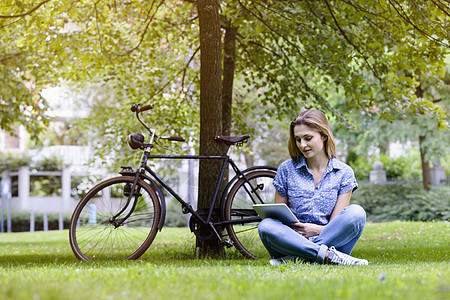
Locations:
column 92, row 234
column 238, row 205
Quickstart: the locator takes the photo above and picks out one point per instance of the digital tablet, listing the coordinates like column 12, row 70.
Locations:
column 279, row 211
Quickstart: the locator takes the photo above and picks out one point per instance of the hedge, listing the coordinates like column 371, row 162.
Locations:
column 20, row 221
column 383, row 203
column 405, row 202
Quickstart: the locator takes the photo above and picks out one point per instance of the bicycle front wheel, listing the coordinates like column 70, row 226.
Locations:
column 102, row 226
column 255, row 188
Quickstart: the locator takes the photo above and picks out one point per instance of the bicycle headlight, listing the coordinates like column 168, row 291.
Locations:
column 135, row 140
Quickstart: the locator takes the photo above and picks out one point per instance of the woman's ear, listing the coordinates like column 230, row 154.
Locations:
column 324, row 138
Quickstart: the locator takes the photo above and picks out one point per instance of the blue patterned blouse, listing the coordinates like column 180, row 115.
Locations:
column 313, row 204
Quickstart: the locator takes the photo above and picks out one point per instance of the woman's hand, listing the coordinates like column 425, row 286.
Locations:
column 307, row 229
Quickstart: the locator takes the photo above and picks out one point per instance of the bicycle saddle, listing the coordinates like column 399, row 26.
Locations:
column 233, row 140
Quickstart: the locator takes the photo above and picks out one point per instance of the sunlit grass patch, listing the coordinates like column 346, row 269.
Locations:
column 407, row 261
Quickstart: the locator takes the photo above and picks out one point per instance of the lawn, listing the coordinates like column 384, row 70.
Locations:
column 407, row 260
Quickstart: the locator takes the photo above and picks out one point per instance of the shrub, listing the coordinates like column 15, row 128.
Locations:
column 174, row 215
column 406, row 167
column 13, row 162
column 46, row 185
column 406, row 202
column 48, row 164
column 20, row 221
column 41, row 186
column 361, row 167
column 80, row 185
column 359, row 163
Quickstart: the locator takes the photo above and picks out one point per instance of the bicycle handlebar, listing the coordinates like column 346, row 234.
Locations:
column 139, row 143
column 173, row 138
column 136, row 108
column 146, row 107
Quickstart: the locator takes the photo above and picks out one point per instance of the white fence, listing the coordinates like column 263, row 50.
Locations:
column 24, row 202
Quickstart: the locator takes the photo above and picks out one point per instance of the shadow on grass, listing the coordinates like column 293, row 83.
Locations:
column 17, row 244
column 374, row 256
column 391, row 243
column 11, row 261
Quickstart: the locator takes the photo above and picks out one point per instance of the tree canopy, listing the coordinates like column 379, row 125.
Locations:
column 346, row 57
column 295, row 53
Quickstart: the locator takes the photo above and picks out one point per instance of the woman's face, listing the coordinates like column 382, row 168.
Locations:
column 309, row 141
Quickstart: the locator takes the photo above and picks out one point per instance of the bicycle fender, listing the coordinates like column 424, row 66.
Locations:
column 159, row 193
column 236, row 178
column 259, row 168
column 162, row 202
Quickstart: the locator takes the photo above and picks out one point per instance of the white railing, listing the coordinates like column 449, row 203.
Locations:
column 35, row 204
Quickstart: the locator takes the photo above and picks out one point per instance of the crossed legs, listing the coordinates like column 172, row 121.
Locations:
column 342, row 232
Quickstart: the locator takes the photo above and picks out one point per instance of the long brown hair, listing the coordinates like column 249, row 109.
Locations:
column 316, row 120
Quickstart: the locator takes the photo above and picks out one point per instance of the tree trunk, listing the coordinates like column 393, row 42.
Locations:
column 385, row 148
column 229, row 56
column 210, row 112
column 426, row 174
column 228, row 77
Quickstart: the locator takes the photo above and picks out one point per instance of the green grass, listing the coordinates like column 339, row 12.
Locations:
column 407, row 260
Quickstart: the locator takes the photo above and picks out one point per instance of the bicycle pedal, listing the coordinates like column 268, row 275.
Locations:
column 228, row 243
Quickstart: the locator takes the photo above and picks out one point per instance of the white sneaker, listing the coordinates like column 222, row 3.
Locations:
column 281, row 261
column 340, row 258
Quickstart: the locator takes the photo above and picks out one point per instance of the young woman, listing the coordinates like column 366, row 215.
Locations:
column 317, row 188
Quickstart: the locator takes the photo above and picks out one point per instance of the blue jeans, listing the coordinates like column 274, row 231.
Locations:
column 342, row 232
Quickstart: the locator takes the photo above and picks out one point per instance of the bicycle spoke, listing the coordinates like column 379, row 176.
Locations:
column 245, row 230
column 94, row 234
column 255, row 188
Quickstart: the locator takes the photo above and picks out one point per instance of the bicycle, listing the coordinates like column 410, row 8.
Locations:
column 120, row 217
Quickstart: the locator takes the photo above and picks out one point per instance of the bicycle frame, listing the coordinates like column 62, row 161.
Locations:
column 226, row 159
column 141, row 174
column 143, row 168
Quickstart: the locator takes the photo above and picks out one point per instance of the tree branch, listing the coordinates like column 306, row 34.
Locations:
column 97, row 23
column 318, row 98
column 148, row 21
column 25, row 13
column 187, row 66
column 350, row 42
column 405, row 17
column 3, row 59
column 273, row 30
column 442, row 7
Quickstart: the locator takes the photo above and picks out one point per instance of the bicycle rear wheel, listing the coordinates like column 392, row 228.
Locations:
column 97, row 231
column 255, row 188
